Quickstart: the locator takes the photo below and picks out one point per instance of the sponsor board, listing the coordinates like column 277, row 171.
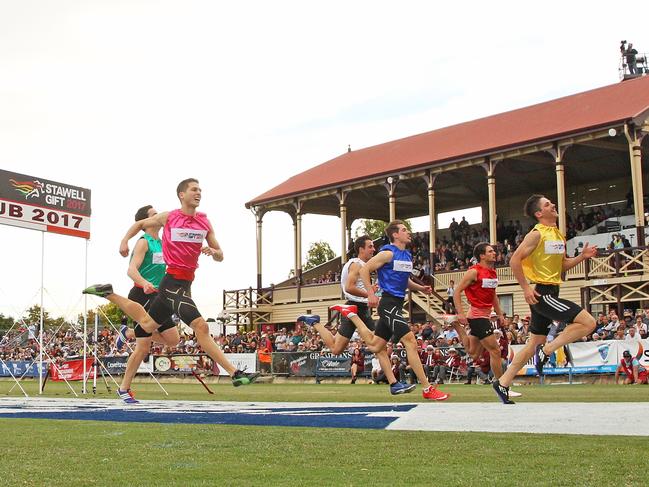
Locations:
column 598, row 357
column 44, row 205
column 20, row 368
column 188, row 363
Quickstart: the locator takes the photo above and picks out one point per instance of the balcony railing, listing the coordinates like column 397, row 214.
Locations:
column 608, row 264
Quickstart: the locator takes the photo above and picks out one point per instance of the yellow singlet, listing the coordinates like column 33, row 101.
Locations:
column 544, row 265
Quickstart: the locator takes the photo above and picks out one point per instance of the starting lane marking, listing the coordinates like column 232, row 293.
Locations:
column 327, row 415
column 557, row 418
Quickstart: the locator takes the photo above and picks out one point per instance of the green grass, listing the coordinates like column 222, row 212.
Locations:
column 286, row 392
column 82, row 453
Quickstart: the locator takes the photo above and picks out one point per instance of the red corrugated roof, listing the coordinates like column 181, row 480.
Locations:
column 545, row 121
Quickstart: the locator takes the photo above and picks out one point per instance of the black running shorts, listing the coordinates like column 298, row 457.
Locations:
column 138, row 295
column 391, row 323
column 551, row 307
column 174, row 297
column 347, row 328
column 480, row 327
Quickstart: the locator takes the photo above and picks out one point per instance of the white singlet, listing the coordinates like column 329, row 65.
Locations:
column 359, row 282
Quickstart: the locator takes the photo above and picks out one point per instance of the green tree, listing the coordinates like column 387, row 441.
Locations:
column 319, row 253
column 109, row 310
column 33, row 316
column 376, row 228
column 6, row 322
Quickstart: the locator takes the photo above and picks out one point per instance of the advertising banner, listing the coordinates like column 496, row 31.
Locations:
column 587, row 357
column 335, row 366
column 20, row 367
column 201, row 363
column 300, row 364
column 71, row 370
column 117, row 365
column 41, row 204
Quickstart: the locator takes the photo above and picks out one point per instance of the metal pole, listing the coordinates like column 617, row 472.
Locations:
column 85, row 324
column 94, row 379
column 40, row 334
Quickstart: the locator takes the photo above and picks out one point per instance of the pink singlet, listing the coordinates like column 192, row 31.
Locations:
column 182, row 240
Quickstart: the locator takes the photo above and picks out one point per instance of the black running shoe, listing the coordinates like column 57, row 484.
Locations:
column 101, row 290
column 241, row 378
column 503, row 392
column 540, row 359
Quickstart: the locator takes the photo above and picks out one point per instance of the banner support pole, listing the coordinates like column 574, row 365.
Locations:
column 40, row 333
column 85, row 322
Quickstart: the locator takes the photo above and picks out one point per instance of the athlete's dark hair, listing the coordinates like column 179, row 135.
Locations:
column 359, row 243
column 182, row 186
column 532, row 205
column 393, row 227
column 480, row 249
column 142, row 213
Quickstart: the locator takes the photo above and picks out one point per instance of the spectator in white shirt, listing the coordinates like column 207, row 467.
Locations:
column 632, row 335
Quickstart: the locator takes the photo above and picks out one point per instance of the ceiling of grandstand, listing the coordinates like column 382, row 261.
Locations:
column 585, row 163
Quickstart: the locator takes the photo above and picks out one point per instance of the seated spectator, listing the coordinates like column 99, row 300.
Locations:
column 482, row 367
column 630, row 366
column 453, row 361
column 357, row 363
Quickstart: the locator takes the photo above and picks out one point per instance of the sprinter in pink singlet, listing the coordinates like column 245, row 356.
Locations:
column 184, row 233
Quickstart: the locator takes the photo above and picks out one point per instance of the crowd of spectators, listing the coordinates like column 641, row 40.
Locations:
column 440, row 350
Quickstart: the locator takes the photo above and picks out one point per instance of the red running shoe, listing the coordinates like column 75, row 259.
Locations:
column 434, row 394
column 345, row 309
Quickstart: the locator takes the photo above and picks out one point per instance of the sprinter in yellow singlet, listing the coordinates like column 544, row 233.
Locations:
column 538, row 264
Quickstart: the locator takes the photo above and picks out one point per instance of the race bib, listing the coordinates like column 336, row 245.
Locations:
column 555, row 247
column 490, row 283
column 157, row 258
column 189, row 235
column 402, row 265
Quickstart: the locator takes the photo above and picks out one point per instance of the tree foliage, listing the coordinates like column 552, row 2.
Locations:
column 376, row 228
column 319, row 253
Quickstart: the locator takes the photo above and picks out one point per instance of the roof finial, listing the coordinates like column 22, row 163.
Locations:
column 349, row 148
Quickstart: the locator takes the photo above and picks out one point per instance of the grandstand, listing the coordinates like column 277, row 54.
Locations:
column 584, row 151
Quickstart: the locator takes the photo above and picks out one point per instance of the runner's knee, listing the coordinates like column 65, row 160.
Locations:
column 200, row 327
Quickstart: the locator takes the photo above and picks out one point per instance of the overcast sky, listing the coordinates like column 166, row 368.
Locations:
column 129, row 97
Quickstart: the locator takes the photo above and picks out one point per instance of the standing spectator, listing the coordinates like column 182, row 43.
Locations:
column 632, row 335
column 280, row 340
column 450, row 291
column 357, row 364
column 630, row 55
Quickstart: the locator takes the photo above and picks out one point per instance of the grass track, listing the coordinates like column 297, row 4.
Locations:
column 82, row 453
column 288, row 392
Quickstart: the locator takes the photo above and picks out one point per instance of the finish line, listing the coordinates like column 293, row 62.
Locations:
column 557, row 418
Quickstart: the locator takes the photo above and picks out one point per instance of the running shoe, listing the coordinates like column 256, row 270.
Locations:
column 127, row 397
column 434, row 393
column 540, row 359
column 345, row 309
column 241, row 378
column 121, row 337
column 401, row 388
column 101, row 290
column 514, row 393
column 309, row 320
column 502, row 391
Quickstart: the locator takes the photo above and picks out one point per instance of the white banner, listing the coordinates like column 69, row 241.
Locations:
column 44, row 219
column 588, row 357
column 242, row 361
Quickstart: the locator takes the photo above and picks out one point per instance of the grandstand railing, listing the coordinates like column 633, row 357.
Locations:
column 608, row 264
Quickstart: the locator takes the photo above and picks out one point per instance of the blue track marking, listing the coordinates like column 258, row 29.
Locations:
column 365, row 416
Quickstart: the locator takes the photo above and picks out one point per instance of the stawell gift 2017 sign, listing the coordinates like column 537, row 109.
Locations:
column 41, row 204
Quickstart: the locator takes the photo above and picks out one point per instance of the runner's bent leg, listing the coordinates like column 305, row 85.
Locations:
column 521, row 358
column 142, row 347
column 491, row 345
column 135, row 311
column 414, row 361
column 583, row 325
